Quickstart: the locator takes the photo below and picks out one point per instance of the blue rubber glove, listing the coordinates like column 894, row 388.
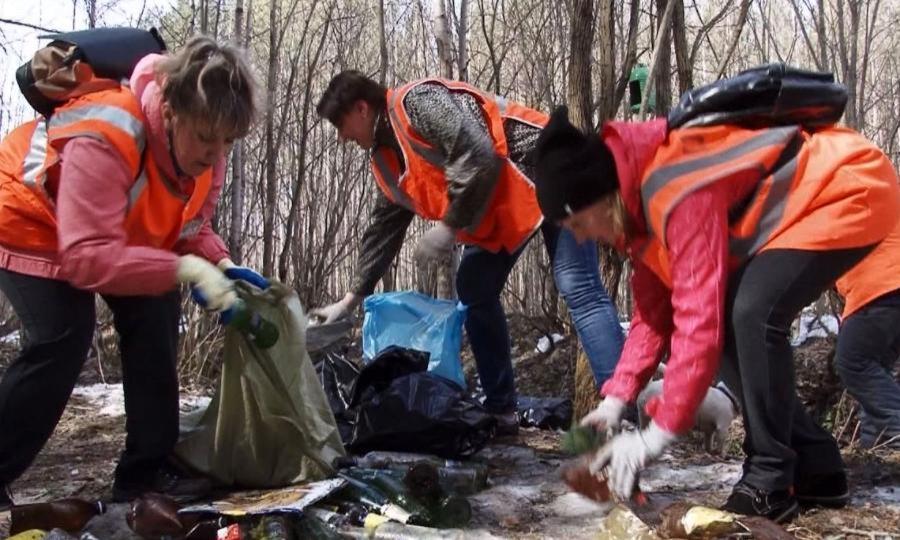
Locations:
column 242, row 273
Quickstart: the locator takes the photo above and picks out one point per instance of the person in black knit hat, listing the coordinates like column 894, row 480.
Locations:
column 731, row 231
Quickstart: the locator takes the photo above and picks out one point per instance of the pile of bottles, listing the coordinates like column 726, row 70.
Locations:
column 386, row 495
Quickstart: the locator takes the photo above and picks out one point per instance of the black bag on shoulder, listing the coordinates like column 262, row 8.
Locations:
column 81, row 62
column 770, row 95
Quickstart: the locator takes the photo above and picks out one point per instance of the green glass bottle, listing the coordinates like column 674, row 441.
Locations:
column 373, row 499
column 263, row 333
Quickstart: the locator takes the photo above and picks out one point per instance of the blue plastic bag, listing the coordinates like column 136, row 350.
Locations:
column 416, row 321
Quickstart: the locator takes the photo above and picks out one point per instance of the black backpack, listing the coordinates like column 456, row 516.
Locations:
column 770, row 95
column 77, row 63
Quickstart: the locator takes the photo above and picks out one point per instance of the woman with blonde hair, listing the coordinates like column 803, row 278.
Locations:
column 731, row 231
column 113, row 194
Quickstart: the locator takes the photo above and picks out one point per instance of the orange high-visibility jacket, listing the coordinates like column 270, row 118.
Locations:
column 513, row 214
column 158, row 214
column 831, row 189
column 877, row 275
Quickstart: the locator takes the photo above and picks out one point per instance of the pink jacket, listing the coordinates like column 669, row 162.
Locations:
column 90, row 211
column 689, row 319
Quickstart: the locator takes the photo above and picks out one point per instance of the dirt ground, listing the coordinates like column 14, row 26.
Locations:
column 526, row 498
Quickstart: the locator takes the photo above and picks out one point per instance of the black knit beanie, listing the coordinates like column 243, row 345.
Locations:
column 573, row 170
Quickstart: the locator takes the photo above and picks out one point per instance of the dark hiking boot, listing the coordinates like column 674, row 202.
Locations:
column 6, row 501
column 829, row 490
column 166, row 481
column 779, row 506
column 507, row 424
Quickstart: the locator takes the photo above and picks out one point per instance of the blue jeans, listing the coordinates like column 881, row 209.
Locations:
column 867, row 350
column 480, row 281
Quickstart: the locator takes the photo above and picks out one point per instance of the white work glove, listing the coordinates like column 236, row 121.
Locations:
column 216, row 290
column 337, row 310
column 607, row 415
column 435, row 245
column 626, row 455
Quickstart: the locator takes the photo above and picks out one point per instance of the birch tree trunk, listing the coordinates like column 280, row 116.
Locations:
column 235, row 235
column 271, row 159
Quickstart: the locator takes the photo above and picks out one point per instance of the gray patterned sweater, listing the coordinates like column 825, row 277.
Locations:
column 453, row 124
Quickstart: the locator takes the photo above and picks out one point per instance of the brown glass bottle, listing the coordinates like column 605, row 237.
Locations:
column 70, row 515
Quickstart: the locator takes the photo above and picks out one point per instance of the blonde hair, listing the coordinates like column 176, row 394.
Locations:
column 211, row 83
column 617, row 214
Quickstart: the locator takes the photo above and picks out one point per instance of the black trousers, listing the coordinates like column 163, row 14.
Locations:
column 58, row 324
column 764, row 296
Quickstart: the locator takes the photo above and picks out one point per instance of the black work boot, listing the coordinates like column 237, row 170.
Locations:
column 829, row 490
column 166, row 481
column 779, row 506
column 507, row 424
column 6, row 501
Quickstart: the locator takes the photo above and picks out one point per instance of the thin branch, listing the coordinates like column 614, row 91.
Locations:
column 28, row 25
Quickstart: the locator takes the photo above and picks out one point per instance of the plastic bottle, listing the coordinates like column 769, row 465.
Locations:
column 263, row 333
column 153, row 515
column 70, row 515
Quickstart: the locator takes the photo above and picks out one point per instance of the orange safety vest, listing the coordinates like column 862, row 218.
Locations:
column 877, row 275
column 158, row 214
column 831, row 189
column 513, row 213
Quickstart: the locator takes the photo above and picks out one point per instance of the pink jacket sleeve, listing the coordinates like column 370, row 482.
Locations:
column 698, row 253
column 206, row 243
column 90, row 213
column 648, row 336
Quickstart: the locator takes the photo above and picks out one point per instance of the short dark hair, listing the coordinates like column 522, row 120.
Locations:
column 345, row 89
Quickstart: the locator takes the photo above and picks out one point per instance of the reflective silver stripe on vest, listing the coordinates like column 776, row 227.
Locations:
column 501, row 104
column 33, row 167
column 662, row 176
column 391, row 179
column 191, row 228
column 137, row 187
column 771, row 215
column 120, row 118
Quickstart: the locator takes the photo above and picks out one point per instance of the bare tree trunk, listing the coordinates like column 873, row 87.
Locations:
column 237, row 163
column 848, row 57
column 630, row 57
column 663, row 50
column 382, row 45
column 867, row 49
column 682, row 60
column 742, row 19
column 92, row 13
column 823, row 37
column 270, row 208
column 661, row 43
column 606, row 15
column 442, row 36
column 204, row 16
column 579, row 96
column 462, row 31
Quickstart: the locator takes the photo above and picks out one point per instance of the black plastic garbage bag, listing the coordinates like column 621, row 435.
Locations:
column 328, row 346
column 769, row 95
column 401, row 407
column 545, row 413
column 391, row 363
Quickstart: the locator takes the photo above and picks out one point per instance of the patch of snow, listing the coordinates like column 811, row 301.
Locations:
column 662, row 476
column 573, row 505
column 886, row 495
column 544, row 345
column 109, row 400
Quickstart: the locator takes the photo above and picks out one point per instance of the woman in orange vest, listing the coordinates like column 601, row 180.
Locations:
column 452, row 154
column 869, row 341
column 731, row 232
column 113, row 194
